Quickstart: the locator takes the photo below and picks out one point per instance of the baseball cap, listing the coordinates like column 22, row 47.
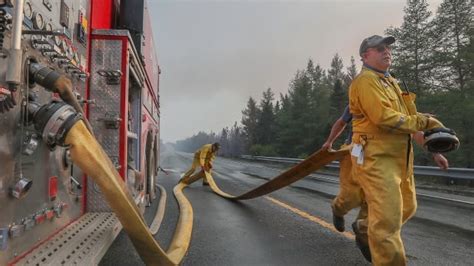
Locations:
column 374, row 41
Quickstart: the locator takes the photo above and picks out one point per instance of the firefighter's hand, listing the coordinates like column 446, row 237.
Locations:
column 441, row 161
column 434, row 123
column 327, row 146
column 205, row 168
column 429, row 114
column 7, row 100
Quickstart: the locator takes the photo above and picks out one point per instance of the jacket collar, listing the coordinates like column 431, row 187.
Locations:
column 382, row 74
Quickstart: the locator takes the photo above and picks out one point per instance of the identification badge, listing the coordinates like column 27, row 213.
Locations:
column 360, row 159
column 356, row 150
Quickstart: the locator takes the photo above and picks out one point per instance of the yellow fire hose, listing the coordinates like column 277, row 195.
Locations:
column 89, row 156
column 295, row 173
column 160, row 212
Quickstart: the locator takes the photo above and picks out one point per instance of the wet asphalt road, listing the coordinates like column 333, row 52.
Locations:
column 268, row 232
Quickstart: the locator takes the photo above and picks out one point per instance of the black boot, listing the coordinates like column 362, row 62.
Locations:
column 338, row 222
column 361, row 242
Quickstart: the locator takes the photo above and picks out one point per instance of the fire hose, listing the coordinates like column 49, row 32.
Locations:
column 88, row 155
column 297, row 172
column 59, row 124
column 63, row 124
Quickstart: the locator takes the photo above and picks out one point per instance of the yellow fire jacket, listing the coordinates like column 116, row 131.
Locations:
column 378, row 106
column 205, row 154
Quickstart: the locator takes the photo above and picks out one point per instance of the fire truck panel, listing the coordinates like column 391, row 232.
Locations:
column 44, row 197
column 40, row 190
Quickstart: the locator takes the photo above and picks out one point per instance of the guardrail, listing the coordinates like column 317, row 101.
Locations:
column 452, row 173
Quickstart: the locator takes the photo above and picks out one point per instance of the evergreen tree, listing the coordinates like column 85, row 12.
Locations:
column 266, row 120
column 224, row 142
column 318, row 106
column 301, row 117
column 236, row 141
column 412, row 50
column 351, row 72
column 451, row 35
column 284, row 123
column 336, row 72
column 250, row 120
column 338, row 100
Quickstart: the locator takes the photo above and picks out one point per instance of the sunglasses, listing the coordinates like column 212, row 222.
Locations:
column 381, row 48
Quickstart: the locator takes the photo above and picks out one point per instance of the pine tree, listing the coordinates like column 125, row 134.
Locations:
column 236, row 141
column 250, row 121
column 224, row 142
column 451, row 35
column 301, row 117
column 284, row 134
column 351, row 72
column 266, row 120
column 413, row 46
column 336, row 71
column 338, row 100
column 318, row 106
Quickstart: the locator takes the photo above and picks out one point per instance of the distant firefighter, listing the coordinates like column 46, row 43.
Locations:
column 203, row 158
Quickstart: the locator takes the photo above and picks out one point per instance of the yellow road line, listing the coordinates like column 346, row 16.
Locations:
column 310, row 217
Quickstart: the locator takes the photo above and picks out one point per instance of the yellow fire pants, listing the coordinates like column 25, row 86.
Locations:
column 193, row 168
column 190, row 171
column 386, row 177
column 350, row 194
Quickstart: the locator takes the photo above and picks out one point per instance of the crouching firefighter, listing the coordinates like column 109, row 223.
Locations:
column 203, row 158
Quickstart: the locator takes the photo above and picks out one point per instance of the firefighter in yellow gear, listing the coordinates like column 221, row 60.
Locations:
column 350, row 194
column 203, row 158
column 382, row 155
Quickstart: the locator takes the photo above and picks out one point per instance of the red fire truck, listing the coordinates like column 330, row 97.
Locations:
column 50, row 211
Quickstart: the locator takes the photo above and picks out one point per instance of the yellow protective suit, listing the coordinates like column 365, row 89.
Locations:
column 383, row 119
column 350, row 194
column 202, row 157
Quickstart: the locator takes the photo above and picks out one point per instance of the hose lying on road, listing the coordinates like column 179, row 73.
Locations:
column 91, row 158
column 295, row 173
column 160, row 212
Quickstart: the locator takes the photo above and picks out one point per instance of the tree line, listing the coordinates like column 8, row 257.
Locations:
column 433, row 55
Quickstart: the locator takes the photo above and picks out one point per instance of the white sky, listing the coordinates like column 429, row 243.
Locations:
column 214, row 55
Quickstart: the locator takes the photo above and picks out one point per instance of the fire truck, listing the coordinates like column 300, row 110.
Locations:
column 51, row 212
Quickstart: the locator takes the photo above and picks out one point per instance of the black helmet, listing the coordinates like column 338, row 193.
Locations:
column 441, row 140
column 216, row 145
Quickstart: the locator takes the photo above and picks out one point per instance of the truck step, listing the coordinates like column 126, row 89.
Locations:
column 84, row 242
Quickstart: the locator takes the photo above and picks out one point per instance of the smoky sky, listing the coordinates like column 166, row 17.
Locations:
column 214, row 55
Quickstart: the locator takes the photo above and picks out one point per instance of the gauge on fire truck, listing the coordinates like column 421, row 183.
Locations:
column 28, row 10
column 38, row 21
